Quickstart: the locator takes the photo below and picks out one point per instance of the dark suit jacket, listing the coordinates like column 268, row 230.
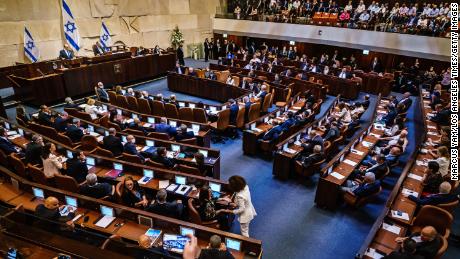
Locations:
column 45, row 119
column 378, row 169
column 287, row 124
column 247, row 106
column 97, row 191
column 427, row 249
column 74, row 133
column 103, row 95
column 367, row 189
column 77, row 169
column 60, row 124
column 66, row 55
column 233, row 113
column 273, row 133
column 213, row 253
column 262, row 98
column 442, row 117
column 113, row 144
column 407, row 103
column 312, row 159
column 187, row 135
column 130, row 148
column 434, row 199
column 7, row 146
column 33, row 153
column 169, row 209
column 169, row 163
column 165, row 128
column 390, row 117
column 402, row 255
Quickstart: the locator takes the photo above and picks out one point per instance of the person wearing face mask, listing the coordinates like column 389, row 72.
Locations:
column 76, row 167
column 130, row 147
column 49, row 211
column 428, row 242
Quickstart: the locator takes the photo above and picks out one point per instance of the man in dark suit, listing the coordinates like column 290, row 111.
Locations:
column 44, row 116
column 165, row 208
column 313, row 158
column 442, row 116
column 261, row 95
column 310, row 141
column 234, row 108
column 289, row 122
column 76, row 167
column 378, row 169
column 161, row 157
column 34, row 150
column 215, row 250
column 66, row 53
column 96, row 190
column 442, row 197
column 206, row 50
column 247, row 105
column 273, row 133
column 179, row 69
column 333, row 132
column 60, row 122
column 183, row 133
column 406, row 100
column 69, row 103
column 113, row 143
column 427, row 241
column 180, row 55
column 376, row 66
column 390, row 116
column 49, row 211
column 74, row 132
column 98, row 49
column 407, row 251
column 164, row 127
column 6, row 145
column 344, row 74
column 102, row 93
column 130, row 147
column 365, row 103
column 366, row 188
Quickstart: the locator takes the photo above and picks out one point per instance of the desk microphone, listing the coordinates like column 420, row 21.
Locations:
column 41, row 73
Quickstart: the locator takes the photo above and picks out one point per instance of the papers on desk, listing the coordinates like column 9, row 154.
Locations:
column 409, row 192
column 421, row 163
column 379, row 126
column 11, row 132
column 257, row 130
column 104, row 221
column 360, row 153
column 366, row 144
column 100, row 138
column 82, row 106
column 183, row 189
column 431, row 127
column 399, row 214
column 163, row 184
column 172, row 187
column 129, row 120
column 372, row 253
column 298, row 143
column 337, row 175
column 415, row 177
column 293, row 111
column 392, row 228
column 375, row 135
column 169, row 154
column 145, row 180
column 147, row 125
column 349, row 162
column 94, row 134
column 429, row 114
column 432, row 133
column 290, row 151
column 423, row 151
column 14, row 136
column 77, row 217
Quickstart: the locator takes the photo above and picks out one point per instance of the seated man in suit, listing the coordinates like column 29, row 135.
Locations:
column 406, row 100
column 433, row 178
column 191, row 71
column 74, row 132
column 310, row 141
column 313, row 158
column 379, row 169
column 291, row 121
column 6, row 145
column 442, row 197
column 69, row 103
column 66, row 53
column 261, row 95
column 407, row 251
column 333, row 132
column 247, row 105
column 49, row 210
column 161, row 157
column 34, row 150
column 136, row 124
column 98, row 49
column 344, row 74
column 215, row 250
column 390, row 117
column 354, row 124
column 365, row 103
column 113, row 143
column 442, row 115
column 148, row 250
column 183, row 133
column 164, row 127
column 277, row 79
column 427, row 241
column 44, row 116
column 96, row 190
column 165, row 208
column 130, row 148
column 179, row 69
column 76, row 167
column 234, row 108
column 362, row 189
column 60, row 122
column 391, row 158
column 274, row 132
column 102, row 93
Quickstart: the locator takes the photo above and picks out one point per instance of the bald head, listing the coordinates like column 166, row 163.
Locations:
column 215, row 241
column 145, row 241
column 444, row 188
column 51, row 203
column 428, row 233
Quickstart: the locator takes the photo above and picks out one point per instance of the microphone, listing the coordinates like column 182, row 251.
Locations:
column 41, row 73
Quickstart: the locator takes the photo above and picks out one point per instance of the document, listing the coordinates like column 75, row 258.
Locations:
column 147, row 125
column 257, row 129
column 348, row 161
column 392, row 228
column 145, row 180
column 421, row 163
column 172, row 187
column 375, row 135
column 431, row 127
column 415, row 177
column 399, row 214
column 366, row 144
column 337, row 175
column 94, row 134
column 298, row 143
column 183, row 189
column 432, row 133
column 290, row 151
column 409, row 192
column 163, row 184
column 360, row 153
column 105, row 221
column 372, row 253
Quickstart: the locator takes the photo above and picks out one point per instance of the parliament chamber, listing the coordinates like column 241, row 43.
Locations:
column 228, row 129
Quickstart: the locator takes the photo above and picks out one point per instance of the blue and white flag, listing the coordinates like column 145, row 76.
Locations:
column 105, row 39
column 70, row 27
column 30, row 48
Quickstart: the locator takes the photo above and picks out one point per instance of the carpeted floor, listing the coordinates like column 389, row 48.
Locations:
column 288, row 222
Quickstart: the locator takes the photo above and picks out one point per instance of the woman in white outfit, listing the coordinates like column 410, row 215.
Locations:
column 244, row 208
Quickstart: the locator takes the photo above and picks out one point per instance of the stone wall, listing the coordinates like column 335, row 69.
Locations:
column 134, row 22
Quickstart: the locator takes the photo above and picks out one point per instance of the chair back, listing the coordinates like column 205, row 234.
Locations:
column 159, row 135
column 190, row 141
column 158, row 108
column 199, row 115
column 71, row 111
column 326, row 147
column 154, row 164
column 131, row 158
column 449, row 206
column 20, row 121
column 222, row 76
column 288, row 96
column 254, row 111
column 104, row 120
column 113, row 125
column 186, row 114
column 442, row 249
column 240, row 117
column 37, row 175
column 144, row 106
column 88, row 143
column 112, row 98
column 200, row 73
column 3, row 158
column 236, row 80
column 434, row 216
column 122, row 101
column 193, row 213
column 102, row 152
column 132, row 103
column 266, row 103
column 134, row 132
column 171, row 111
column 66, row 183
column 17, row 165
column 64, row 139
column 189, row 170
column 84, row 116
column 223, row 120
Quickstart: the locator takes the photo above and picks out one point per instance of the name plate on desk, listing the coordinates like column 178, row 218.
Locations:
column 360, row 153
column 337, row 175
column 372, row 253
column 352, row 163
column 409, row 192
column 415, row 177
column 367, row 144
column 399, row 214
column 391, row 228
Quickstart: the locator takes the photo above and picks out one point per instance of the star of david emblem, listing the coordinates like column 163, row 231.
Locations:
column 30, row 45
column 70, row 27
column 105, row 37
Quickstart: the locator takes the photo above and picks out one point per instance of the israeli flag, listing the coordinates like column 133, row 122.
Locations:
column 70, row 27
column 30, row 49
column 105, row 39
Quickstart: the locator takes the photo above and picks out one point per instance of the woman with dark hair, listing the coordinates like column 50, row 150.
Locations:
column 22, row 114
column 244, row 208
column 52, row 164
column 132, row 194
column 207, row 208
